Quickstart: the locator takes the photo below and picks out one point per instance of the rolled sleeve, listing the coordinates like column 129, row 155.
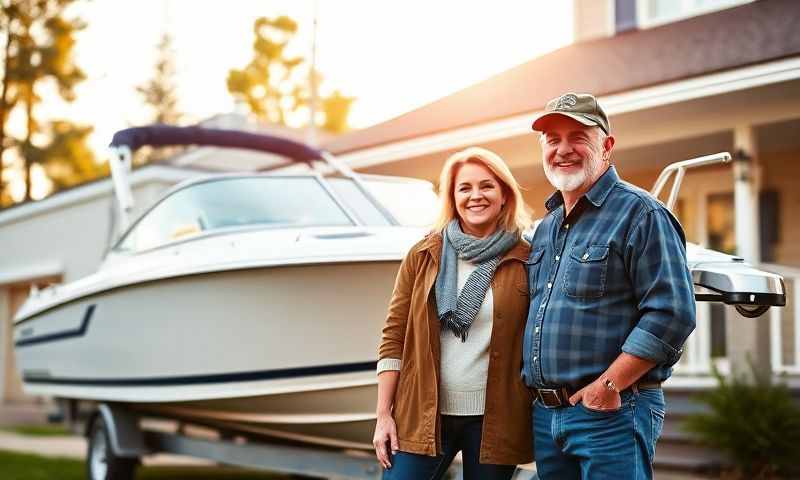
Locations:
column 388, row 364
column 644, row 344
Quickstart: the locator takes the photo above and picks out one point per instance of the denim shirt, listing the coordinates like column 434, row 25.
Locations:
column 610, row 278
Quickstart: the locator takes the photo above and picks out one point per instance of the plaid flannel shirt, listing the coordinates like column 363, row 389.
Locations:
column 610, row 278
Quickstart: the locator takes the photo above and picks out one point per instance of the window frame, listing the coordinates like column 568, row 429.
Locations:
column 645, row 18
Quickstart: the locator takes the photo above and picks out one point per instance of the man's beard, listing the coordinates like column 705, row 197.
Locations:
column 568, row 182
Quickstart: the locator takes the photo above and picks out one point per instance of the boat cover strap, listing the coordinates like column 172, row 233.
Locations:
column 166, row 135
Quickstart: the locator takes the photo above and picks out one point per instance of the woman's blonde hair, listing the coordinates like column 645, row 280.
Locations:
column 513, row 216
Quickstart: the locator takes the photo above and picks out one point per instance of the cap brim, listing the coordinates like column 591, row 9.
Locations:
column 538, row 124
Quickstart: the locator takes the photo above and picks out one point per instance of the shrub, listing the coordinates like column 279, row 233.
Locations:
column 756, row 424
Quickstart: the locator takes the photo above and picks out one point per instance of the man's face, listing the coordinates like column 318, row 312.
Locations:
column 574, row 156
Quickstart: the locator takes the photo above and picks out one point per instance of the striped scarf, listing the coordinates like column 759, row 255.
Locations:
column 457, row 311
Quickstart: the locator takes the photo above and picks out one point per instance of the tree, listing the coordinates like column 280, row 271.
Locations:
column 39, row 47
column 160, row 92
column 336, row 108
column 275, row 86
column 67, row 159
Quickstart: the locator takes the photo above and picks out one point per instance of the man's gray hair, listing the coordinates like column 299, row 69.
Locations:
column 601, row 136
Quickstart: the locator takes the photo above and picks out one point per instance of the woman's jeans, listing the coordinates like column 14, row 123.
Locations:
column 578, row 443
column 458, row 434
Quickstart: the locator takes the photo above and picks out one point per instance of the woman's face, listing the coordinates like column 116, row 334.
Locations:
column 478, row 197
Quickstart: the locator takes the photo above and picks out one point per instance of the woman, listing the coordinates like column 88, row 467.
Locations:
column 448, row 374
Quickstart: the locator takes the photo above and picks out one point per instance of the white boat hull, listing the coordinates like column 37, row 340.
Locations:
column 288, row 351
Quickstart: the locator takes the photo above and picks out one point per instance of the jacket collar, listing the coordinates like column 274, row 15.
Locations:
column 596, row 195
column 433, row 245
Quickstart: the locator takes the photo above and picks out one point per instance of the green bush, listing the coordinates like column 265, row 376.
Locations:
column 756, row 424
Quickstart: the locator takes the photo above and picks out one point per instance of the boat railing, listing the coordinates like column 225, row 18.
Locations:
column 679, row 169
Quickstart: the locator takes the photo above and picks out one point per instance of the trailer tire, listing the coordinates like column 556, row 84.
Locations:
column 101, row 462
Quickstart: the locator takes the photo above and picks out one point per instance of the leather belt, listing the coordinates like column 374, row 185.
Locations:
column 559, row 396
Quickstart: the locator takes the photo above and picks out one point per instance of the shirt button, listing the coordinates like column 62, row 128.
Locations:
column 549, row 285
column 566, row 226
column 537, row 330
column 535, row 358
column 558, row 257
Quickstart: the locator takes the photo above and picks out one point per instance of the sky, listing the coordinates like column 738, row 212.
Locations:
column 392, row 55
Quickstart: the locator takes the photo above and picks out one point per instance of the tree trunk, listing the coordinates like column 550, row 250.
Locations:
column 28, row 139
column 4, row 107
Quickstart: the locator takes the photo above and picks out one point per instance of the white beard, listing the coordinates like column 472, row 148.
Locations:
column 571, row 182
column 565, row 182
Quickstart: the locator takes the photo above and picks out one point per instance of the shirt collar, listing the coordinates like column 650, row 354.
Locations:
column 596, row 195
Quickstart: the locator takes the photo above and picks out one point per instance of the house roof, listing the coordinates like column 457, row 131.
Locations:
column 750, row 34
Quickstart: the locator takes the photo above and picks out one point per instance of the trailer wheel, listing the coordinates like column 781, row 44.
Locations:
column 101, row 463
column 752, row 311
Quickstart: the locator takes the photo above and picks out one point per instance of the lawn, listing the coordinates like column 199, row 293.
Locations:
column 38, row 430
column 22, row 466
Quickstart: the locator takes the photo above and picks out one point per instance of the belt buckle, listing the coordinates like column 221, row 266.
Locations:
column 550, row 397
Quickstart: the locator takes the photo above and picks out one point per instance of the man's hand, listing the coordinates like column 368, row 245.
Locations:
column 596, row 396
column 385, row 435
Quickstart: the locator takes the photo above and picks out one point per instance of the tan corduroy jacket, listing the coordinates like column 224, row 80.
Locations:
column 412, row 333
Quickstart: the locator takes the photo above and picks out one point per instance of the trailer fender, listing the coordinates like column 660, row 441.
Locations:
column 124, row 434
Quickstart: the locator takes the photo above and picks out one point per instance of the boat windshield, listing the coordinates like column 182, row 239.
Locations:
column 234, row 203
column 411, row 202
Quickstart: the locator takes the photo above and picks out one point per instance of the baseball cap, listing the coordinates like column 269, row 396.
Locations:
column 581, row 107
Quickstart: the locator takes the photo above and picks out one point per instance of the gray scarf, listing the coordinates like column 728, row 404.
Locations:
column 457, row 311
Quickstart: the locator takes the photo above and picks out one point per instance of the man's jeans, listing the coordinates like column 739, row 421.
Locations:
column 578, row 443
column 458, row 434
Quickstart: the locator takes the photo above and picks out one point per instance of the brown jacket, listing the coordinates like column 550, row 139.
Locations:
column 412, row 333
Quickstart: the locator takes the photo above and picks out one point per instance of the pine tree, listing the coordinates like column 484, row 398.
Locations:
column 160, row 92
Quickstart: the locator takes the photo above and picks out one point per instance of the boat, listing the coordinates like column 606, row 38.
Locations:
column 253, row 302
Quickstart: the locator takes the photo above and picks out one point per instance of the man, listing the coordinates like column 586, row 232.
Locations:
column 611, row 305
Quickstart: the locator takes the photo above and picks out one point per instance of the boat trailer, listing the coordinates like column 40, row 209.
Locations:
column 117, row 442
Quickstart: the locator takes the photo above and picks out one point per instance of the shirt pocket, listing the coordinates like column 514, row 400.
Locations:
column 586, row 271
column 534, row 265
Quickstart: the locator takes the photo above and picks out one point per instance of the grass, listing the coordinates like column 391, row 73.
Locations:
column 24, row 466
column 38, row 430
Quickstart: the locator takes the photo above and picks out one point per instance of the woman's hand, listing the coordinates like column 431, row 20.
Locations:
column 385, row 434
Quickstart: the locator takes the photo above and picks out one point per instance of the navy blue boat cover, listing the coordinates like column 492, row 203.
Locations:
column 167, row 135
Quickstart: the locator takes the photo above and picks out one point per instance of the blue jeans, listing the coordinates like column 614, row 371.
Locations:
column 458, row 433
column 578, row 443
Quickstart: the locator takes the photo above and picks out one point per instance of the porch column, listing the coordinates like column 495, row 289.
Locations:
column 5, row 342
column 748, row 338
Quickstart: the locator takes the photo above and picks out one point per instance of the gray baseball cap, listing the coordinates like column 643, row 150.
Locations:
column 581, row 107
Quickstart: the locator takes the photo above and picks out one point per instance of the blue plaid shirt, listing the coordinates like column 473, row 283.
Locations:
column 610, row 278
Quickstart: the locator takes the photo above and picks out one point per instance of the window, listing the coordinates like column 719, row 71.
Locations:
column 652, row 13
column 234, row 203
